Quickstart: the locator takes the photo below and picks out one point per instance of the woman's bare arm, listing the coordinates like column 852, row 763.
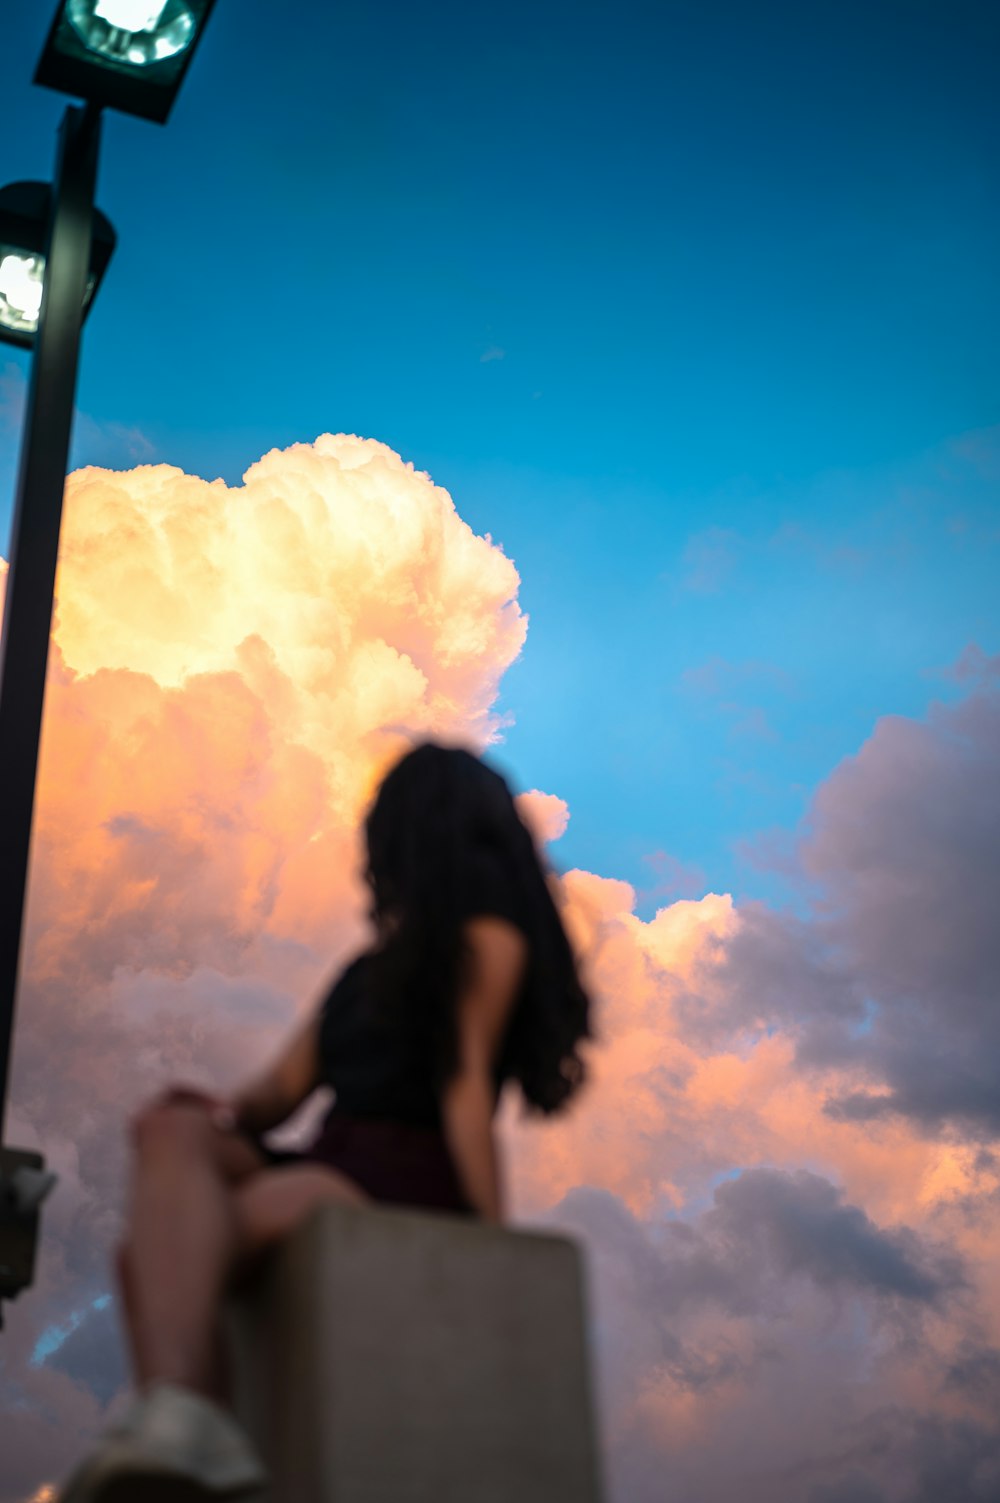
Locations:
column 499, row 957
column 267, row 1100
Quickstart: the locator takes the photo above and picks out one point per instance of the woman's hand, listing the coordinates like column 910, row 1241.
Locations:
column 221, row 1111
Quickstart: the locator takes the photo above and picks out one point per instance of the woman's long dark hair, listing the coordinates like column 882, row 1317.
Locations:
column 438, row 812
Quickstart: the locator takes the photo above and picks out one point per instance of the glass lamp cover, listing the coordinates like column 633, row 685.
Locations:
column 134, row 32
column 21, row 279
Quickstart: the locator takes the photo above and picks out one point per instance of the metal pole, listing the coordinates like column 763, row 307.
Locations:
column 34, row 547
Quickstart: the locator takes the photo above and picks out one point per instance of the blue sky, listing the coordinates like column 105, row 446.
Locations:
column 692, row 306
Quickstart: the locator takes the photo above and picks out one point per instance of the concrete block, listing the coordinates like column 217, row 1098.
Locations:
column 390, row 1355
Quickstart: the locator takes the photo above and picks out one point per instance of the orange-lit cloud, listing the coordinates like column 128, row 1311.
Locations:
column 545, row 814
column 738, row 1303
column 232, row 671
column 791, row 1235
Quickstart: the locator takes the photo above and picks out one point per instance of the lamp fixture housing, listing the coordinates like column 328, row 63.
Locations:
column 128, row 55
column 24, row 221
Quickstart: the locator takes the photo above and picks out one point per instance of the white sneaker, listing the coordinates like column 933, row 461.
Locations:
column 173, row 1446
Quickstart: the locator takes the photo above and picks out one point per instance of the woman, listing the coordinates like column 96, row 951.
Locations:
column 470, row 981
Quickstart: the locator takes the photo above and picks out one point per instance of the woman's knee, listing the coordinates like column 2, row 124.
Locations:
column 169, row 1127
column 181, row 1129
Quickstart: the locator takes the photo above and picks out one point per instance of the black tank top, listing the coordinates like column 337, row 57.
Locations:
column 378, row 1072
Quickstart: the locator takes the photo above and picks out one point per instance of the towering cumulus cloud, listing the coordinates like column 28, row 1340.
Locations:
column 233, row 670
column 784, row 1166
column 788, row 1170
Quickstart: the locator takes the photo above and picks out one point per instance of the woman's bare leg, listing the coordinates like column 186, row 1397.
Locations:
column 273, row 1203
column 182, row 1242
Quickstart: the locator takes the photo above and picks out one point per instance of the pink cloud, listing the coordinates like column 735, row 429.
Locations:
column 545, row 814
column 784, row 1167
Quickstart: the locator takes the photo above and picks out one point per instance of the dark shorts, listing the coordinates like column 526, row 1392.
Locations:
column 400, row 1163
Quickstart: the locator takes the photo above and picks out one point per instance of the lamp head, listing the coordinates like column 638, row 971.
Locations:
column 24, row 220
column 128, row 55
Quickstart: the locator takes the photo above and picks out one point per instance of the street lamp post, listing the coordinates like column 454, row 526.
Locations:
column 129, row 55
column 35, row 532
column 27, row 617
